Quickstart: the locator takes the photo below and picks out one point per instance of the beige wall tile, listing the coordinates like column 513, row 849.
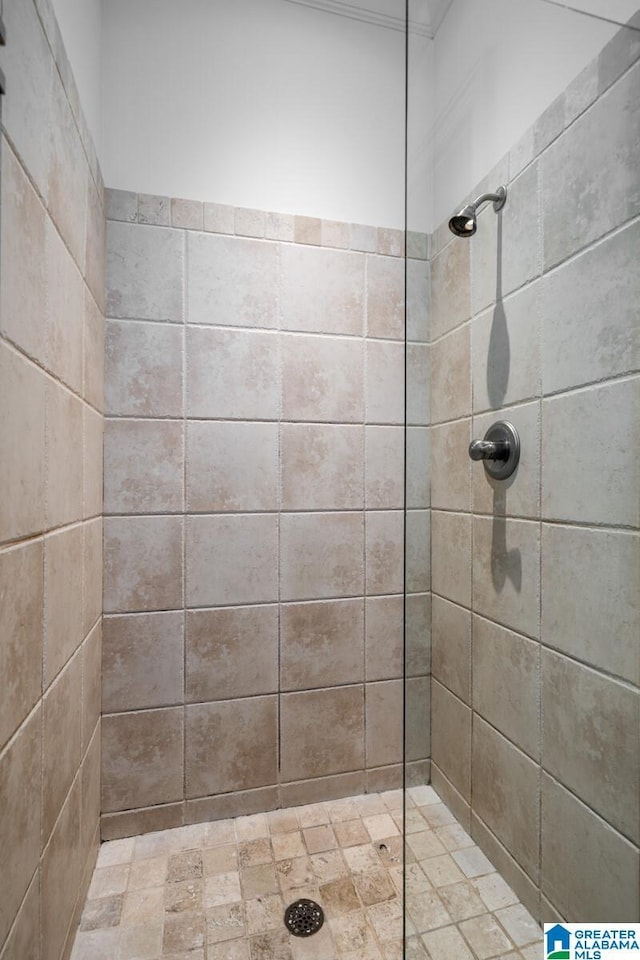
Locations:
column 232, row 374
column 64, row 446
column 317, row 790
column 150, row 209
column 589, row 739
column 521, row 231
column 383, row 637
column 143, row 369
column 143, row 466
column 123, row 205
column 130, row 823
column 60, row 877
column 21, row 619
column 418, row 469
column 451, row 376
column 68, row 175
column 23, row 260
column 232, row 559
column 418, row 634
column 451, row 647
column 335, row 233
column 91, row 685
column 573, row 839
column 418, row 551
column 145, row 272
column 451, row 537
column 450, row 288
column 24, row 939
column 451, row 466
column 384, row 470
column 505, row 351
column 322, row 467
column 142, row 758
column 309, row 747
column 506, row 572
column 22, row 432
column 518, row 496
column 231, row 745
column 321, row 555
column 20, row 787
column 232, row 466
column 390, row 243
column 385, row 297
column 249, row 223
column 92, row 573
column 93, row 353
column 362, row 237
column 451, row 738
column 506, row 793
column 321, row 644
column 232, row 281
column 506, row 671
column 231, row 652
column 418, row 299
column 384, row 560
column 186, row 214
column 418, row 403
column 308, row 230
column 279, row 226
column 322, row 379
column 219, row 218
column 384, row 712
column 96, row 244
column 590, row 595
column 571, row 425
column 63, row 626
column 321, row 291
column 142, row 661
column 384, row 385
column 93, row 470
column 142, row 563
column 62, row 740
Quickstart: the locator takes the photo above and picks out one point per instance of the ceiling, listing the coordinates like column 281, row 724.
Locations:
column 425, row 16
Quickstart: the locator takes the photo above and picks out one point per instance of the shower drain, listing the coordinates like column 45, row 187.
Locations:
column 303, row 918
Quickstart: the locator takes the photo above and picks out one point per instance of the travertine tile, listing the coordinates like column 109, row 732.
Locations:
column 303, row 752
column 390, row 243
column 62, row 740
column 384, row 468
column 446, row 942
column 68, row 174
column 451, row 468
column 219, row 218
column 485, row 936
column 334, row 233
column 384, row 382
column 451, row 539
column 60, row 877
column 279, row 226
column 322, row 379
column 495, row 892
column 451, row 376
column 384, row 552
column 152, row 209
column 452, row 725
column 231, row 652
column 383, row 736
column 385, row 298
column 460, row 899
column 521, row 236
column 451, row 647
column 308, row 230
column 121, row 205
column 418, row 399
column 418, row 299
column 63, row 628
column 450, row 288
column 142, row 564
column 186, row 214
column 231, row 281
column 519, row 924
column 321, row 555
column 506, row 572
column 383, row 640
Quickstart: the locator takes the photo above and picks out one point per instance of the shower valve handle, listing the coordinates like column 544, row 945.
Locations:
column 499, row 450
column 489, row 450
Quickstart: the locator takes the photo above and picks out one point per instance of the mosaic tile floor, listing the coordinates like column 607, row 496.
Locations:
column 218, row 891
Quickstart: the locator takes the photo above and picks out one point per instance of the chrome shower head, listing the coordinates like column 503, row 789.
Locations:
column 465, row 223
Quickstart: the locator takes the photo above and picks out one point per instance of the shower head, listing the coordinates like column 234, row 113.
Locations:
column 465, row 222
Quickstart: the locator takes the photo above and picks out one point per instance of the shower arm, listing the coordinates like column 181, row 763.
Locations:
column 498, row 199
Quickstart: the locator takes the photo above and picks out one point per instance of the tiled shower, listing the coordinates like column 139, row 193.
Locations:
column 261, row 617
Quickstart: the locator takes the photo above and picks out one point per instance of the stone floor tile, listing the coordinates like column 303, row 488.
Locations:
column 186, row 865
column 229, row 950
column 423, row 795
column 495, row 891
column 425, row 845
column 183, row 931
column 351, row 833
column 534, row 952
column 148, row 873
column 313, row 815
column 374, row 886
column 427, row 911
column 446, row 944
column 339, row 897
column 453, row 837
column 96, row 945
column 219, row 832
column 99, row 914
column 329, row 866
column 271, row 945
column 473, row 862
column 413, row 821
column 462, row 901
column 318, row 839
column 256, row 881
column 282, row 821
column 226, row 922
column 109, row 881
column 264, row 913
column 380, row 826
column 361, row 859
column 318, row 947
column 393, row 799
column 115, row 852
column 437, row 815
column 190, row 837
column 225, row 888
column 181, row 897
column 415, row 949
column 296, row 873
column 416, row 878
column 151, row 845
column 485, row 936
column 519, row 924
column 252, row 828
column 143, row 906
column 340, row 810
column 288, row 846
column 251, row 853
column 386, row 920
column 222, row 859
column 143, row 942
column 370, row 805
column 353, row 934
column 442, row 871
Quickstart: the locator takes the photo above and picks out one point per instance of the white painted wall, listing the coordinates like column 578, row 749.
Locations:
column 498, row 65
column 80, row 24
column 255, row 103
